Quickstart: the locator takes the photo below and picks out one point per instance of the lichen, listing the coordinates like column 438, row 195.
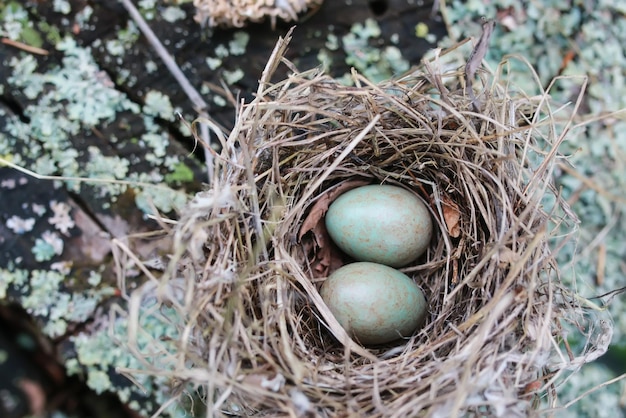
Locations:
column 44, row 295
column 61, row 219
column 237, row 46
column 373, row 62
column 19, row 225
column 158, row 104
column 102, row 351
column 231, row 77
column 71, row 98
column 47, row 246
column 61, row 6
column 577, row 40
column 17, row 26
column 173, row 14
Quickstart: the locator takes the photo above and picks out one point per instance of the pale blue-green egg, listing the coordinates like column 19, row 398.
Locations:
column 380, row 223
column 375, row 304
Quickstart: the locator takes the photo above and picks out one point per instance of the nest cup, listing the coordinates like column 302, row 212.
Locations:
column 253, row 252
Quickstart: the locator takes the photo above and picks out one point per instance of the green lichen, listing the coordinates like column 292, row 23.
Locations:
column 101, row 352
column 47, row 247
column 45, row 295
column 173, row 14
column 375, row 63
column 107, row 168
column 324, row 59
column 73, row 98
column 164, row 199
column 158, row 104
column 421, row 30
column 17, row 26
column 544, row 33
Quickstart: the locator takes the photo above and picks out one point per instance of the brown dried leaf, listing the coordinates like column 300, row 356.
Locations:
column 321, row 206
column 452, row 217
column 325, row 256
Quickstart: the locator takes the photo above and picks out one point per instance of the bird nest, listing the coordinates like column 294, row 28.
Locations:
column 236, row 13
column 251, row 251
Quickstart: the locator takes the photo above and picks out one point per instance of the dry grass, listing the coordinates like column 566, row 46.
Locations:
column 254, row 332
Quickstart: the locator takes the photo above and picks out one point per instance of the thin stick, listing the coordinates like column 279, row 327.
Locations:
column 88, row 180
column 475, row 60
column 199, row 104
column 25, row 47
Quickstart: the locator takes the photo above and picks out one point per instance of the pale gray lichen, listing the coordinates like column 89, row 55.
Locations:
column 221, row 51
column 19, row 225
column 213, row 63
column 375, row 63
column 231, row 77
column 44, row 295
column 61, row 219
column 158, row 104
column 47, row 246
column 239, row 43
column 173, row 14
column 61, row 6
column 545, row 33
column 103, row 350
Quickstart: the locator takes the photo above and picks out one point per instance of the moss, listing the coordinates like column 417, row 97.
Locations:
column 180, row 174
column 16, row 25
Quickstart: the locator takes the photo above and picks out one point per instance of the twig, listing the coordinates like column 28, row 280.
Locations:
column 87, row 180
column 24, row 47
column 199, row 104
column 476, row 58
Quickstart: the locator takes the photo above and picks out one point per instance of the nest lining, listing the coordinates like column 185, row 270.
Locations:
column 253, row 251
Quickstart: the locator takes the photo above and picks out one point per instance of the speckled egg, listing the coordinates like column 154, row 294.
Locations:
column 380, row 223
column 375, row 304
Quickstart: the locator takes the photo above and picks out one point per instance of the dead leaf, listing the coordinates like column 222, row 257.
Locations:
column 321, row 251
column 452, row 217
column 320, row 207
column 326, row 256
